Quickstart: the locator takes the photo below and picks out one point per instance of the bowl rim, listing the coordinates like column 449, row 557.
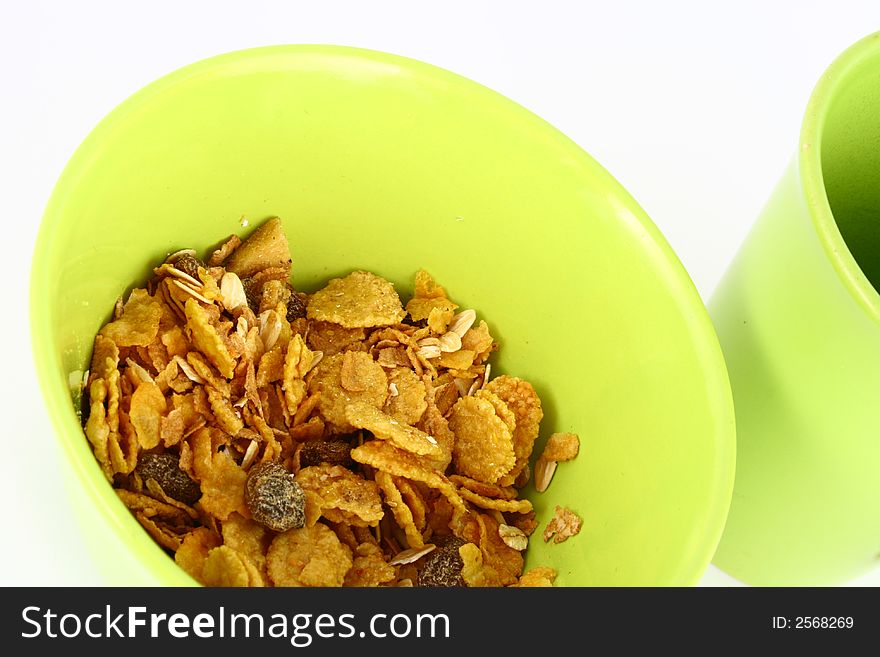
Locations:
column 812, row 180
column 694, row 561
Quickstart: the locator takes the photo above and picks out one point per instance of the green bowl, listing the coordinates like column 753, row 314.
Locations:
column 383, row 163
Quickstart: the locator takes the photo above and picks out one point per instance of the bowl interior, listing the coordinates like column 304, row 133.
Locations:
column 382, row 163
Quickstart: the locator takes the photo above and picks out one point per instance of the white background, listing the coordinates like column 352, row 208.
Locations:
column 694, row 106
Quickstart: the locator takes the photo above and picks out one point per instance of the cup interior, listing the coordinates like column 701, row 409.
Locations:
column 850, row 156
column 381, row 163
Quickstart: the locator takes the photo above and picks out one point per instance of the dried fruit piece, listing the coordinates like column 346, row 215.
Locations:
column 165, row 470
column 265, row 248
column 443, row 566
column 296, row 307
column 360, row 299
column 311, row 556
column 187, row 262
column 483, row 441
column 274, row 498
column 564, row 524
column 333, row 452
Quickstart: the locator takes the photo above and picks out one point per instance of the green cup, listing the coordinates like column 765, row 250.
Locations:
column 798, row 316
column 383, row 163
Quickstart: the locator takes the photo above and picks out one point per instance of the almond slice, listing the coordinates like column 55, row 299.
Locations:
column 543, row 474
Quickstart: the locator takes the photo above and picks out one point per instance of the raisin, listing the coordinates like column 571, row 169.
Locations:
column 174, row 482
column 442, row 567
column 274, row 499
column 252, row 293
column 335, row 452
column 189, row 265
column 422, row 323
column 296, row 307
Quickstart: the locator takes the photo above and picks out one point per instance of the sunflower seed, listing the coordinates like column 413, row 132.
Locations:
column 188, row 371
column 462, row 322
column 232, row 291
column 190, row 291
column 450, row 342
column 429, row 351
column 513, row 537
column 408, row 556
column 270, row 328
column 250, row 455
column 544, row 470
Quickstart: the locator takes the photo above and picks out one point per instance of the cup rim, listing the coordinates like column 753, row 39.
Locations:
column 812, row 179
column 693, row 563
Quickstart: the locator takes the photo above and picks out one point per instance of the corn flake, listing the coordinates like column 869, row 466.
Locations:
column 399, row 508
column 404, row 436
column 564, row 524
column 384, row 456
column 360, row 372
column 248, row 538
column 335, row 399
column 207, row 339
column 193, row 551
column 409, row 404
column 345, row 496
column 225, row 567
column 360, row 299
column 510, row 506
column 332, row 339
column 139, row 323
column 369, row 567
column 561, row 447
column 493, row 491
column 483, row 441
column 221, row 479
column 521, row 398
column 537, row 577
column 311, row 556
